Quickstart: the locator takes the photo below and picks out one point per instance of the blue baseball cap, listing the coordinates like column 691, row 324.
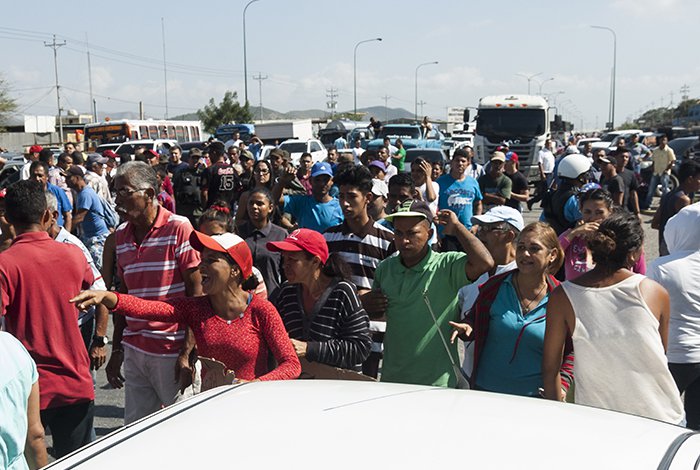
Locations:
column 321, row 168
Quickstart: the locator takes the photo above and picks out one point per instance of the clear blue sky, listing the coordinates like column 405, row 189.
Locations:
column 306, row 47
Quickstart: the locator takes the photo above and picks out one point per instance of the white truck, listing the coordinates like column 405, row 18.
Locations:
column 271, row 131
column 520, row 120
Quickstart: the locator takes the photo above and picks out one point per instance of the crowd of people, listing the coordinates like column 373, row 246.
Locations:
column 365, row 262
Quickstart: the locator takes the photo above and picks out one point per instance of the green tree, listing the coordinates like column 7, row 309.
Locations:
column 7, row 104
column 229, row 110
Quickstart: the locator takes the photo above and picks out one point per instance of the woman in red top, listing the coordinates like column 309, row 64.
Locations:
column 230, row 324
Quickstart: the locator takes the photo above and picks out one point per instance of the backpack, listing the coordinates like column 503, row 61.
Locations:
column 187, row 190
column 108, row 214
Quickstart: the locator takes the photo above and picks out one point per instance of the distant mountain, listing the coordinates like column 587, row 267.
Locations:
column 379, row 112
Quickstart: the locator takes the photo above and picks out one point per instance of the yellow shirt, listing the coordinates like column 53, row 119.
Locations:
column 662, row 158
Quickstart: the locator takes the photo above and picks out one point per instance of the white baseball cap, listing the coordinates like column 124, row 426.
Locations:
column 501, row 214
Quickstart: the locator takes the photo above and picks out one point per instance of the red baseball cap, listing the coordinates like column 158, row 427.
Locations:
column 35, row 149
column 228, row 243
column 152, row 153
column 109, row 154
column 303, row 239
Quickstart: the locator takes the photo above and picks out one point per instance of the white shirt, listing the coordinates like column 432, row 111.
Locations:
column 424, row 194
column 24, row 175
column 356, row 152
column 546, row 158
column 391, row 170
column 474, row 170
column 231, row 142
column 672, row 271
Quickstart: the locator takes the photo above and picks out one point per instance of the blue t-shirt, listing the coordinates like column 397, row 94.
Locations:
column 459, row 197
column 312, row 214
column 64, row 204
column 19, row 373
column 93, row 224
column 511, row 361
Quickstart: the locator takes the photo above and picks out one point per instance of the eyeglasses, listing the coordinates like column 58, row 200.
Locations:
column 261, row 172
column 492, row 228
column 126, row 192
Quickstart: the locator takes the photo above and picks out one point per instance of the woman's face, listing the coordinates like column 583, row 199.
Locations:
column 298, row 266
column 261, row 173
column 437, row 171
column 216, row 272
column 259, row 208
column 595, row 211
column 532, row 256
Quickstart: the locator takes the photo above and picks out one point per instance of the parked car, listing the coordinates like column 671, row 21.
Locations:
column 162, row 146
column 685, row 147
column 410, row 134
column 297, row 147
column 606, row 140
column 582, row 142
column 104, row 147
column 431, row 155
column 300, row 423
column 10, row 172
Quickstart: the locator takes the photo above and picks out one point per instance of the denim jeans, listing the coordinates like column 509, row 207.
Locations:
column 662, row 179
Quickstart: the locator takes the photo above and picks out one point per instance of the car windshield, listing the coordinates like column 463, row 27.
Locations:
column 681, row 146
column 294, row 147
column 399, row 133
column 608, row 137
column 509, row 123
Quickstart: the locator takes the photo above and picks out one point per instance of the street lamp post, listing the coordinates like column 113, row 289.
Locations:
column 354, row 72
column 529, row 79
column 419, row 66
column 542, row 83
column 245, row 52
column 614, row 73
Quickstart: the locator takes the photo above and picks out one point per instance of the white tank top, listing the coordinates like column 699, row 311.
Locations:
column 619, row 361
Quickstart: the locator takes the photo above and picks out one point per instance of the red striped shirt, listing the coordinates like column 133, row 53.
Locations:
column 155, row 270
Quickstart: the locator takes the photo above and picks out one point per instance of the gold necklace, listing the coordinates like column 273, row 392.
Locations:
column 526, row 308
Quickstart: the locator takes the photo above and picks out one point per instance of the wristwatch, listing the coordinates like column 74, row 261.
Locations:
column 100, row 340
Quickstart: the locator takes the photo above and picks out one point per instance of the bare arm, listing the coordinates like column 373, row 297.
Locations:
column 559, row 315
column 618, row 198
column 97, row 353
column 79, row 217
column 658, row 300
column 479, row 259
column 68, row 221
column 284, row 179
column 35, row 446
column 634, row 197
column 494, row 199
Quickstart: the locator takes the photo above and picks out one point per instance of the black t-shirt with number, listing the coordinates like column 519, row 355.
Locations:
column 222, row 182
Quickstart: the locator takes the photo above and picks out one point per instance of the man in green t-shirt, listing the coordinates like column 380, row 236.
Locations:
column 494, row 185
column 406, row 284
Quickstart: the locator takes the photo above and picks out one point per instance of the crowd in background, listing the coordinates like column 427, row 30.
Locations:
column 225, row 268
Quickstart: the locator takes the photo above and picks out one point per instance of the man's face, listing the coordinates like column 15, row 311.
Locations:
column 69, row 148
column 622, row 161
column 236, row 135
column 383, row 154
column 621, row 143
column 397, row 195
column 131, row 201
column 66, row 163
column 606, row 168
column 233, row 154
column 510, row 167
column 97, row 168
column 598, row 156
column 39, row 174
column 411, row 234
column 247, row 163
column 459, row 165
column 305, row 163
column 353, row 201
column 321, row 185
column 663, row 141
column 175, row 155
column 437, row 170
column 72, row 181
column 277, row 162
column 496, row 168
column 587, row 147
column 332, row 155
column 494, row 236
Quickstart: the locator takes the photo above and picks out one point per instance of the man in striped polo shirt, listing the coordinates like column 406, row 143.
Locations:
column 154, row 261
column 363, row 243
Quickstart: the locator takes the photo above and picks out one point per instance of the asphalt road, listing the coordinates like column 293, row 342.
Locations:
column 109, row 402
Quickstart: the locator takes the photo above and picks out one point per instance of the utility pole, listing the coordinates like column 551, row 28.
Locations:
column 421, row 103
column 386, row 107
column 331, row 94
column 685, row 90
column 92, row 99
column 54, row 45
column 260, row 79
column 165, row 70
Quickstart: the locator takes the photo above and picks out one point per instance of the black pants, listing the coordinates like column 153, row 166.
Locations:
column 70, row 425
column 687, row 377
